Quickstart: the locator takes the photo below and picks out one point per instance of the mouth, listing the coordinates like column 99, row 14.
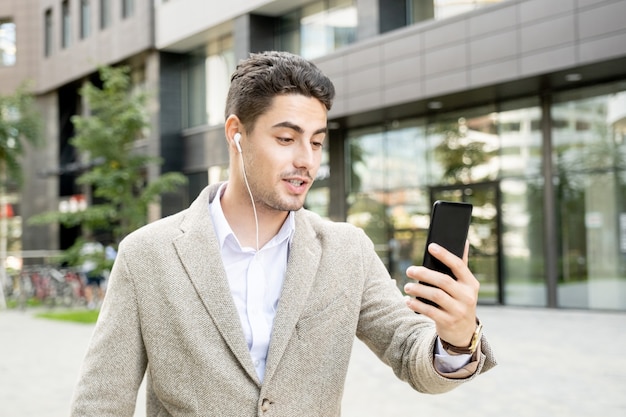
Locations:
column 296, row 183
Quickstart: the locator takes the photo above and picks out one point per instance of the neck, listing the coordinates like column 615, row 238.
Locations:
column 239, row 213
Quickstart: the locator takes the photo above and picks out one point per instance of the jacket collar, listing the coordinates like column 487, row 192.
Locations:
column 198, row 250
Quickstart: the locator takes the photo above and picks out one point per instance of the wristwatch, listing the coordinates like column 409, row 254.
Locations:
column 469, row 350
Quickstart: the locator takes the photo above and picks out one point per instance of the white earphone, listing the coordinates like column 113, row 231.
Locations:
column 237, row 139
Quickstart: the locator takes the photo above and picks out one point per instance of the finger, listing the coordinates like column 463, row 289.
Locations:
column 439, row 296
column 428, row 276
column 466, row 252
column 445, row 256
column 457, row 265
column 415, row 272
column 421, row 307
column 454, row 305
column 421, row 274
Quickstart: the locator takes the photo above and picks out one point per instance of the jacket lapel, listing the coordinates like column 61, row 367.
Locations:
column 198, row 250
column 304, row 257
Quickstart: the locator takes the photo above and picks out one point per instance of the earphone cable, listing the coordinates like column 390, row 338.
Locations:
column 256, row 219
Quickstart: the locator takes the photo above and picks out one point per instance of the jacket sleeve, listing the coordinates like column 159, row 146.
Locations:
column 116, row 361
column 401, row 338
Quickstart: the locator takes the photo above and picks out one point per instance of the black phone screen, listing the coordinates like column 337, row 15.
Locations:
column 449, row 225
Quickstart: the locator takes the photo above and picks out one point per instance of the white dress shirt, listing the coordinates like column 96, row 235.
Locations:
column 256, row 281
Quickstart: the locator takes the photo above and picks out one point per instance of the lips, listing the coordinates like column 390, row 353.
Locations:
column 296, row 185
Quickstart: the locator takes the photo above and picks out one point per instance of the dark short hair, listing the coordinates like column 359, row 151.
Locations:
column 261, row 77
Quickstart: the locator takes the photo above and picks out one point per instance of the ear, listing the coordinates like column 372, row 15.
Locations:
column 232, row 126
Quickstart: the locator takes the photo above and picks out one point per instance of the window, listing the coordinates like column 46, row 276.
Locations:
column 66, row 24
column 85, row 18
column 128, row 8
column 318, row 197
column 105, row 14
column 47, row 34
column 205, row 82
column 448, row 8
column 319, row 28
column 8, row 46
column 589, row 156
column 399, row 13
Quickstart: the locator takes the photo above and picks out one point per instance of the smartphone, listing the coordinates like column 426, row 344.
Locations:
column 449, row 225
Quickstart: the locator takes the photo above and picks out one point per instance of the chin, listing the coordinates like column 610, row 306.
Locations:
column 290, row 205
column 293, row 207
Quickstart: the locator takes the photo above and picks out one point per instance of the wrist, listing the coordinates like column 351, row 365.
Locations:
column 469, row 349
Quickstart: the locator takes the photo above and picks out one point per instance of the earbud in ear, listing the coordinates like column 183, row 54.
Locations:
column 237, row 139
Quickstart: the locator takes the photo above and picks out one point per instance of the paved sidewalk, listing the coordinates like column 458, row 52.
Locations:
column 551, row 363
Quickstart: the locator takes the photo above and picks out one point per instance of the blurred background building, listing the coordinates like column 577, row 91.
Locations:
column 516, row 106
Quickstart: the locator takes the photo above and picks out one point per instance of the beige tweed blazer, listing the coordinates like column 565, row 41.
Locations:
column 169, row 315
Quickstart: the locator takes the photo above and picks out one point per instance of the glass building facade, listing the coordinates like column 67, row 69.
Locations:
column 516, row 106
column 205, row 81
column 495, row 158
column 318, row 28
column 589, row 159
column 545, row 173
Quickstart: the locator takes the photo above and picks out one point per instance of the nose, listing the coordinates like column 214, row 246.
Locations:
column 304, row 157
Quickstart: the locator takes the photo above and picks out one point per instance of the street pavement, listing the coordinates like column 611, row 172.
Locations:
column 551, row 363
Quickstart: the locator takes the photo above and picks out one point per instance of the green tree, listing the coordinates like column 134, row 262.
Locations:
column 19, row 126
column 458, row 154
column 117, row 170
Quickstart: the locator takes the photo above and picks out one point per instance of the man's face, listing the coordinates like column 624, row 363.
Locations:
column 283, row 152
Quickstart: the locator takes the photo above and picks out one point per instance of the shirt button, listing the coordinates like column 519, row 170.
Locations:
column 265, row 405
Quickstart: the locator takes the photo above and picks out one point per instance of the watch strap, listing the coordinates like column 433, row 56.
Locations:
column 467, row 350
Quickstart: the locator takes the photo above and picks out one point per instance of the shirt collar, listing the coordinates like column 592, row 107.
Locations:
column 223, row 230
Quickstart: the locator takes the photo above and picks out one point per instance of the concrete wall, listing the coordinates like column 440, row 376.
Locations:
column 120, row 41
column 40, row 193
column 183, row 24
column 507, row 42
column 24, row 14
column 510, row 41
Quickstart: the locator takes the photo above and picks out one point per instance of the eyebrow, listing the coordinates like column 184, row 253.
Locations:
column 298, row 129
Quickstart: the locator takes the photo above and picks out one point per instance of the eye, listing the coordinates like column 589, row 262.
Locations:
column 317, row 145
column 284, row 140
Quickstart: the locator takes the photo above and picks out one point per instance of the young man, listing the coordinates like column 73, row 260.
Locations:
column 246, row 304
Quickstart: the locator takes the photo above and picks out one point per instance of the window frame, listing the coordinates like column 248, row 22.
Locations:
column 66, row 24
column 48, row 32
column 5, row 59
column 105, row 14
column 85, row 18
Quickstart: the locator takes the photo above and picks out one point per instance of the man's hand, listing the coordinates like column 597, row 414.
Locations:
column 455, row 318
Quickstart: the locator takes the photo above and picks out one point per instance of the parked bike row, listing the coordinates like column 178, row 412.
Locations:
column 46, row 285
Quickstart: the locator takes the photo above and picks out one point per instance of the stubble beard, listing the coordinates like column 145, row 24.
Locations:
column 272, row 201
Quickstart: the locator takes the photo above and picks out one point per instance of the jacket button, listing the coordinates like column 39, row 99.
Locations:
column 265, row 405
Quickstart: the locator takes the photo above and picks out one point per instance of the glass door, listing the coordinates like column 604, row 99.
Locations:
column 483, row 236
